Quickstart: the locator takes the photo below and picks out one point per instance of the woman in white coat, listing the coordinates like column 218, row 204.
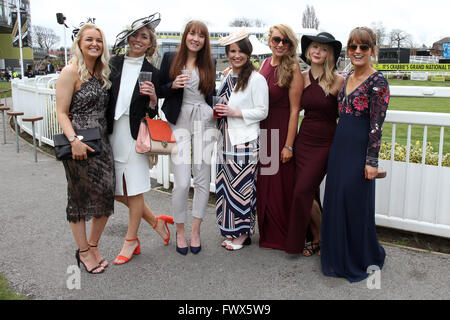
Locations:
column 244, row 97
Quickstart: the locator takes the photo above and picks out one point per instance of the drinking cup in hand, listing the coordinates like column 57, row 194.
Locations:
column 144, row 76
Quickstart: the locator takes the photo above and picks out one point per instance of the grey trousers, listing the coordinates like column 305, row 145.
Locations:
column 195, row 133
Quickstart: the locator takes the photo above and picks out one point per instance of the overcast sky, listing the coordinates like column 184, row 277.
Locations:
column 426, row 21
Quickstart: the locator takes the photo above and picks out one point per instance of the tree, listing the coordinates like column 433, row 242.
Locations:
column 246, row 22
column 380, row 31
column 259, row 23
column 309, row 19
column 241, row 22
column 44, row 37
column 399, row 38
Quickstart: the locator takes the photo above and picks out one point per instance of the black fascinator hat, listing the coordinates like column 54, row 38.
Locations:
column 152, row 20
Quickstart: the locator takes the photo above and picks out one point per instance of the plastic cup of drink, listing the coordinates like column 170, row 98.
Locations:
column 187, row 73
column 216, row 100
column 144, row 76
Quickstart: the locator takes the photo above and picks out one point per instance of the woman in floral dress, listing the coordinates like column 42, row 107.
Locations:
column 349, row 244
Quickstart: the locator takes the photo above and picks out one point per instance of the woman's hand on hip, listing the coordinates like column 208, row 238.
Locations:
column 370, row 172
column 79, row 150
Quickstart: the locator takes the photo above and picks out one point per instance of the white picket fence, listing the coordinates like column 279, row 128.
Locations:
column 413, row 197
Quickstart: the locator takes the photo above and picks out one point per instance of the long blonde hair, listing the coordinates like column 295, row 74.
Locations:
column 329, row 74
column 101, row 64
column 288, row 62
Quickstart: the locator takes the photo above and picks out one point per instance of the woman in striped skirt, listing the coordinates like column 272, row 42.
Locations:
column 244, row 100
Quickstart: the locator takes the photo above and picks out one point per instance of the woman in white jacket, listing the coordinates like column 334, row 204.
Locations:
column 244, row 97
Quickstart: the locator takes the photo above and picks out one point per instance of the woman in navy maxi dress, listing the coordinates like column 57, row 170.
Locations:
column 349, row 244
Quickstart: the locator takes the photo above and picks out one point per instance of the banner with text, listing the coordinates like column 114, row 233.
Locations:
column 412, row 67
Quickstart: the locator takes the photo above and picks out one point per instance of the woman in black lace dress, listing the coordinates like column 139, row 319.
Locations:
column 82, row 90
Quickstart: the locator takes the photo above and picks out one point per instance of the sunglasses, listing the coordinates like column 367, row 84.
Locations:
column 362, row 47
column 277, row 40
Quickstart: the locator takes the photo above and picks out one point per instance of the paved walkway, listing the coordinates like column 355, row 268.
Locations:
column 37, row 248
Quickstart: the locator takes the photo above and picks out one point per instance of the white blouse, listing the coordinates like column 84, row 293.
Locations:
column 254, row 104
column 130, row 74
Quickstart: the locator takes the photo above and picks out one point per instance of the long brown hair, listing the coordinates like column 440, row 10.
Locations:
column 204, row 60
column 246, row 47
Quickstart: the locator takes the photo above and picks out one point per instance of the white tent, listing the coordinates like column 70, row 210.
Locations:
column 258, row 47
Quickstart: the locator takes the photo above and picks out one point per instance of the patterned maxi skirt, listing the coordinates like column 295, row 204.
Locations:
column 236, row 185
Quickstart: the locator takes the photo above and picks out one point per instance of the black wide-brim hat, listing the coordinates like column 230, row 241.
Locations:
column 322, row 37
column 122, row 38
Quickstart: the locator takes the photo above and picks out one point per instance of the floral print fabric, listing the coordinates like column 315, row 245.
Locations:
column 370, row 99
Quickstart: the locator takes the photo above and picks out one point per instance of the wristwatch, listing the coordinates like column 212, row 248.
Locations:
column 289, row 148
column 72, row 138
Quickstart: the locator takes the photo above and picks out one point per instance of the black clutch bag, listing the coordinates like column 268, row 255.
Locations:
column 91, row 137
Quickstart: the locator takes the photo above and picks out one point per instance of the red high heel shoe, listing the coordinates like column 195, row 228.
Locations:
column 136, row 251
column 166, row 219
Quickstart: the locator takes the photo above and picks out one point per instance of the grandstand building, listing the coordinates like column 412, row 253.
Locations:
column 170, row 40
column 9, row 40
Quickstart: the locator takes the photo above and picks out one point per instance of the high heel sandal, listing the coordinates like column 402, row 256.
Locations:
column 136, row 251
column 235, row 247
column 103, row 260
column 77, row 256
column 311, row 248
column 166, row 219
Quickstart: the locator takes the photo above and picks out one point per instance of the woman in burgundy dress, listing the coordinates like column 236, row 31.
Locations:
column 275, row 181
column 312, row 145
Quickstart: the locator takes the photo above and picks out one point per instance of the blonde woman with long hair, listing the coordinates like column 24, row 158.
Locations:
column 276, row 174
column 82, row 91
column 321, row 86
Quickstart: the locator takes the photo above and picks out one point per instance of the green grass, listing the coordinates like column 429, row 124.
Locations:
column 4, row 86
column 6, row 293
column 441, row 105
column 415, row 83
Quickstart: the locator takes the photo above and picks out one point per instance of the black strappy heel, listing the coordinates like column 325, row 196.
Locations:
column 103, row 260
column 77, row 256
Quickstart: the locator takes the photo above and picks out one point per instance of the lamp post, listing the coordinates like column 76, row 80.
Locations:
column 61, row 18
column 19, row 21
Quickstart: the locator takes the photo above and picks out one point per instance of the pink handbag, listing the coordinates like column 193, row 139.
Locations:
column 155, row 137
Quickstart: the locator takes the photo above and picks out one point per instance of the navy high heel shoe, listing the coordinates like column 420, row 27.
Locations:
column 182, row 251
column 195, row 250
